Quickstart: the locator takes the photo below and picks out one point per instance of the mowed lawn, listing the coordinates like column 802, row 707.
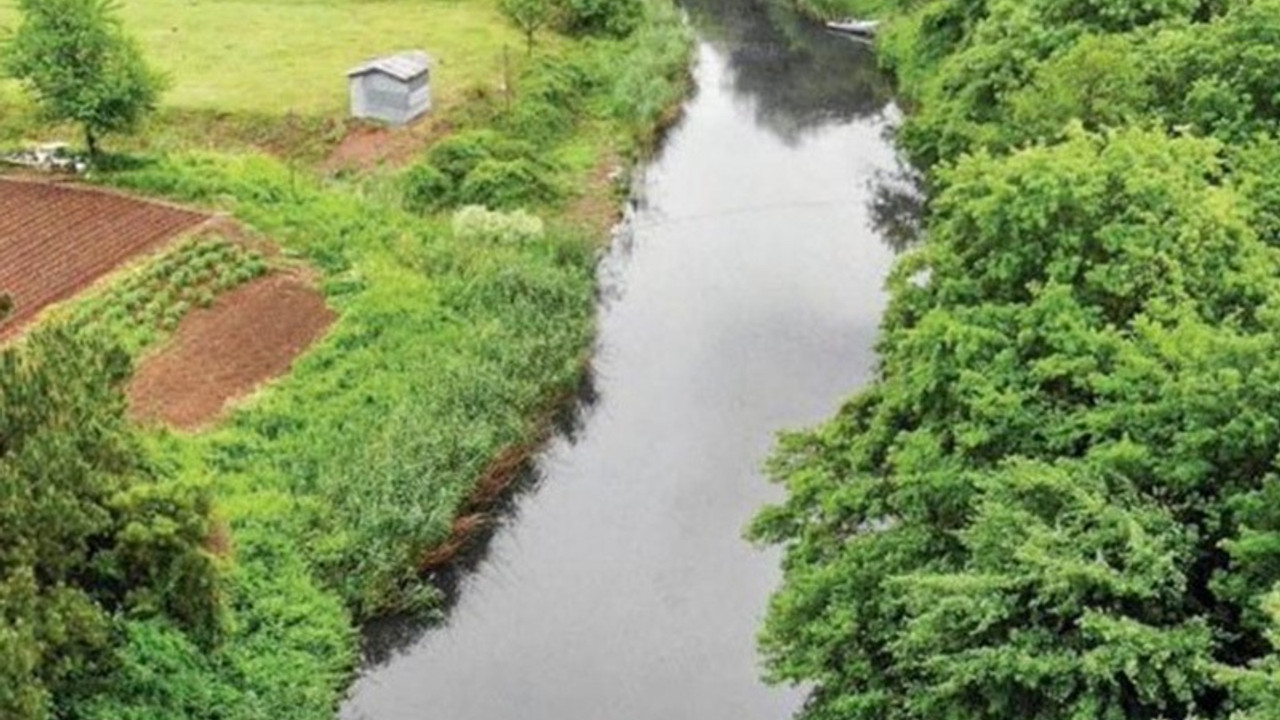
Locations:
column 282, row 56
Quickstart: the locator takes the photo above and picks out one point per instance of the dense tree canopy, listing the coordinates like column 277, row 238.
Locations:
column 1061, row 497
column 88, row 538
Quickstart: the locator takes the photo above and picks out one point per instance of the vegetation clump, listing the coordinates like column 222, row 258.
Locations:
column 93, row 539
column 1058, row 498
column 478, row 223
column 146, row 305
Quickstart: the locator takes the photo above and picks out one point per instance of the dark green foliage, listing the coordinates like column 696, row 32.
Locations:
column 529, row 16
column 459, row 154
column 87, row 534
column 1016, row 72
column 1039, row 509
column 479, row 168
column 607, row 18
column 507, row 184
column 82, row 68
column 427, row 189
column 1059, row 499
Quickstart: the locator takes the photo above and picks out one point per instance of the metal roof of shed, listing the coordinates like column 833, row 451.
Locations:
column 403, row 66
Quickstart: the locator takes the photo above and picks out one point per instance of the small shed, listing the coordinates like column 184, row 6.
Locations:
column 394, row 89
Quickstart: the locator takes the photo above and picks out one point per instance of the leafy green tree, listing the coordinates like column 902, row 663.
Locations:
column 75, row 58
column 529, row 16
column 1058, row 501
column 88, row 535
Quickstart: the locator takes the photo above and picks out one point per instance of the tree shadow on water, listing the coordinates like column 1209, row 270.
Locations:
column 797, row 76
column 899, row 200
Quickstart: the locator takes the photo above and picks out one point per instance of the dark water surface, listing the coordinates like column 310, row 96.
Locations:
column 743, row 298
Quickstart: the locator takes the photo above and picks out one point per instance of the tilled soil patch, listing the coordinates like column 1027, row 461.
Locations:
column 55, row 240
column 248, row 336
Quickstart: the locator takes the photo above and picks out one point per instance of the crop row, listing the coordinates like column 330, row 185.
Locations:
column 149, row 303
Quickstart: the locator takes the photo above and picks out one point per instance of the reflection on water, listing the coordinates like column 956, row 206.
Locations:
column 797, row 76
column 898, row 200
column 743, row 297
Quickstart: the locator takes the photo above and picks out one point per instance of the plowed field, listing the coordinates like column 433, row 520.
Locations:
column 55, row 240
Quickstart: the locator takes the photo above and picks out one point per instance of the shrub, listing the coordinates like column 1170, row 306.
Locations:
column 606, row 18
column 507, row 184
column 87, row 535
column 475, row 222
column 457, row 155
column 427, row 188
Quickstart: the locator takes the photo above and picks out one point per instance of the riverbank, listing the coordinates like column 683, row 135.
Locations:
column 727, row 309
column 336, row 485
column 1058, row 495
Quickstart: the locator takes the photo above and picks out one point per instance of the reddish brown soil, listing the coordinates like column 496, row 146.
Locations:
column 56, row 240
column 366, row 146
column 247, row 337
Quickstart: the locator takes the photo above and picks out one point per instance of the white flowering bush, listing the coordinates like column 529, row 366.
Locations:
column 476, row 222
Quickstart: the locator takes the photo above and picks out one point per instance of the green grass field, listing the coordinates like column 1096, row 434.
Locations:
column 275, row 57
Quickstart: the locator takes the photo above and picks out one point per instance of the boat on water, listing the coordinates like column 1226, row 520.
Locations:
column 860, row 28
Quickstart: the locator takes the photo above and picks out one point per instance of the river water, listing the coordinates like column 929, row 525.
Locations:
column 742, row 297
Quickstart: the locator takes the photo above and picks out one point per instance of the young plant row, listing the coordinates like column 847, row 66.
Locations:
column 146, row 305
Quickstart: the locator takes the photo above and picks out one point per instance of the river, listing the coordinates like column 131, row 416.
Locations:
column 742, row 297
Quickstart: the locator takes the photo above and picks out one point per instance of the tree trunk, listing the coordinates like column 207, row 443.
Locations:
column 92, row 141
column 528, row 38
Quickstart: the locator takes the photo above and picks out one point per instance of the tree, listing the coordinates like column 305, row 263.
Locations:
column 528, row 15
column 74, row 56
column 1060, row 500
column 89, row 535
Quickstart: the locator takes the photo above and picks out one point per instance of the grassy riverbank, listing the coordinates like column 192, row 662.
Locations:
column 1058, row 499
column 455, row 336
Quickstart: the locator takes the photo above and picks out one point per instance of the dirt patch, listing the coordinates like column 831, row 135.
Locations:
column 599, row 208
column 56, row 240
column 248, row 336
column 366, row 147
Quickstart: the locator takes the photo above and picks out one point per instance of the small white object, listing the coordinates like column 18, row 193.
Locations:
column 861, row 28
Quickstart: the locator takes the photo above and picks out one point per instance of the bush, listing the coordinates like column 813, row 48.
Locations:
column 457, row 155
column 475, row 222
column 427, row 188
column 605, row 18
column 87, row 535
column 508, row 184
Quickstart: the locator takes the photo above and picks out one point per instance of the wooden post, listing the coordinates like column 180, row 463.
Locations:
column 506, row 74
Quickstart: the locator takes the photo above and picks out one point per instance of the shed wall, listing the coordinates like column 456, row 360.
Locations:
column 378, row 96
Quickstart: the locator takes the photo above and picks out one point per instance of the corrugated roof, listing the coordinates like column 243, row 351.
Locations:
column 403, row 66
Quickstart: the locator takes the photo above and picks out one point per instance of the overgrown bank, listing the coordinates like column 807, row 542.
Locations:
column 320, row 500
column 1058, row 500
